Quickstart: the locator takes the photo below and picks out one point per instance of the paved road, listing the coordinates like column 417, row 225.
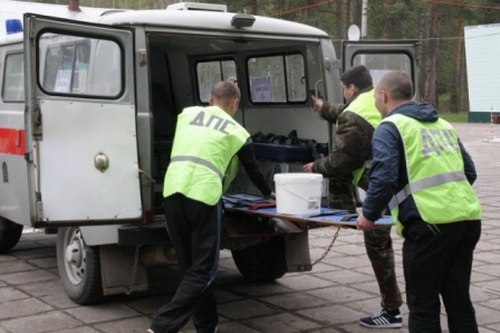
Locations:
column 330, row 298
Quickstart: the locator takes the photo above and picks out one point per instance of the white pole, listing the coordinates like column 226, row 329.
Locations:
column 491, row 124
column 364, row 18
column 364, row 23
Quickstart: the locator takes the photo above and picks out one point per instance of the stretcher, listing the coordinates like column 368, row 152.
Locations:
column 256, row 205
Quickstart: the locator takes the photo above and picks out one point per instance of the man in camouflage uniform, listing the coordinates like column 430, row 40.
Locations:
column 346, row 166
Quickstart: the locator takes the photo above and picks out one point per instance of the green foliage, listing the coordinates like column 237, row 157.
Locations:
column 461, row 117
column 387, row 19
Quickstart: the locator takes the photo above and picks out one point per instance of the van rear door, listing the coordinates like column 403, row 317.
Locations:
column 80, row 122
column 383, row 56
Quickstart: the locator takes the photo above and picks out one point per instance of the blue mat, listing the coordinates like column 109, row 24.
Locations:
column 252, row 204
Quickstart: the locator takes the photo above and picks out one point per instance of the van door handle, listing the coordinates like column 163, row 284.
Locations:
column 101, row 162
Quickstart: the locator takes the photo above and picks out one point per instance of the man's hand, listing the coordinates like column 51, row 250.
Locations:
column 364, row 224
column 317, row 103
column 308, row 167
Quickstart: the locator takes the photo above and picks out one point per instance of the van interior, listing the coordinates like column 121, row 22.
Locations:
column 283, row 72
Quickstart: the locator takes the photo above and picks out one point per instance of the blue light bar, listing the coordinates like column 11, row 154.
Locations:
column 13, row 26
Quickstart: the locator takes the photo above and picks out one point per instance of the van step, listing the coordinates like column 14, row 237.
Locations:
column 150, row 234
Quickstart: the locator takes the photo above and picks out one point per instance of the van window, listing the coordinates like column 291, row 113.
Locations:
column 277, row 79
column 13, row 85
column 211, row 72
column 69, row 68
column 380, row 64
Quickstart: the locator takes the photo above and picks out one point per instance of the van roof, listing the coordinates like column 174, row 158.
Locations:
column 215, row 21
column 16, row 9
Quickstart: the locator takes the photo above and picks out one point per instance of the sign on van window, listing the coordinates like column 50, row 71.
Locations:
column 74, row 65
column 262, row 89
column 63, row 81
column 277, row 79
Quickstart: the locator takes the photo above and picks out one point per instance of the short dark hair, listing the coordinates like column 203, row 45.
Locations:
column 225, row 91
column 359, row 76
column 398, row 85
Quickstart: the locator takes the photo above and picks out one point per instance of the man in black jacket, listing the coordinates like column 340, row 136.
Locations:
column 423, row 173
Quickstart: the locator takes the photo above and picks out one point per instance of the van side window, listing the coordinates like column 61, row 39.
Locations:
column 277, row 79
column 211, row 72
column 13, row 85
column 69, row 69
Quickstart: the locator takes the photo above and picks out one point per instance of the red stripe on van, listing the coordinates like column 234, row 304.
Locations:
column 12, row 141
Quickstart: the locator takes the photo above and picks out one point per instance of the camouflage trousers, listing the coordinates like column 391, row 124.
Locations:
column 378, row 244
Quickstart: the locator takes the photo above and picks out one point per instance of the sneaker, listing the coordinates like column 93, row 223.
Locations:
column 382, row 320
column 150, row 331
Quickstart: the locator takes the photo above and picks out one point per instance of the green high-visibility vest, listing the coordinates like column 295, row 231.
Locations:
column 203, row 159
column 435, row 168
column 364, row 106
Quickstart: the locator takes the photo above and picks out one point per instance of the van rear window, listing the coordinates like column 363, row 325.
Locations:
column 68, row 67
column 382, row 63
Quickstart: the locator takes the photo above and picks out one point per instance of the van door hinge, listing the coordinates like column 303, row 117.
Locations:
column 31, row 29
column 36, row 120
column 333, row 64
column 142, row 57
column 39, row 206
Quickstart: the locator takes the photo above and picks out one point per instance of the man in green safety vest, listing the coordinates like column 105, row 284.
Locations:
column 423, row 173
column 207, row 145
column 346, row 166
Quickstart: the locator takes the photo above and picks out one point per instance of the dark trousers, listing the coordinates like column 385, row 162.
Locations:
column 195, row 230
column 437, row 261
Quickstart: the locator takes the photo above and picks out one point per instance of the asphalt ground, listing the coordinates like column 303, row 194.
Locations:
column 330, row 298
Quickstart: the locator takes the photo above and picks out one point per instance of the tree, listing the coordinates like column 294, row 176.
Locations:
column 433, row 57
column 458, row 66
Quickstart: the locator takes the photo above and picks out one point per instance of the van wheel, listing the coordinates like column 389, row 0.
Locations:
column 262, row 262
column 79, row 267
column 10, row 233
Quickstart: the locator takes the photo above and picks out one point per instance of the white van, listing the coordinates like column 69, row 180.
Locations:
column 88, row 113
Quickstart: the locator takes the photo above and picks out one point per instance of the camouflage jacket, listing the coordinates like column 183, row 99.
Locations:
column 351, row 147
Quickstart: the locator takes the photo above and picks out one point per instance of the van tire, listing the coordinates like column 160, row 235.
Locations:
column 263, row 262
column 79, row 267
column 10, row 233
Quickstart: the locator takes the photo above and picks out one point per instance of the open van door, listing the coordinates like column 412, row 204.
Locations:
column 80, row 122
column 383, row 56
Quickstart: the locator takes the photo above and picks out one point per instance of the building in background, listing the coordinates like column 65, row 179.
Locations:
column 482, row 49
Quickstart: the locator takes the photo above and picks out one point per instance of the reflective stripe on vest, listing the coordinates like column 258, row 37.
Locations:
column 435, row 172
column 198, row 160
column 364, row 106
column 205, row 145
column 423, row 184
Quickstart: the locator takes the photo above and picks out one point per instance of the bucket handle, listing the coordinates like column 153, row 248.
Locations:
column 298, row 196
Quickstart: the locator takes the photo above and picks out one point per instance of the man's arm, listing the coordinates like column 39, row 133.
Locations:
column 351, row 147
column 384, row 172
column 469, row 167
column 246, row 155
column 331, row 111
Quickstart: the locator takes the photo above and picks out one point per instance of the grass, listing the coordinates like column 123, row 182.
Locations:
column 452, row 117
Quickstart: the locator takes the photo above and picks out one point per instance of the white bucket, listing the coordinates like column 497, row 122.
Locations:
column 298, row 193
